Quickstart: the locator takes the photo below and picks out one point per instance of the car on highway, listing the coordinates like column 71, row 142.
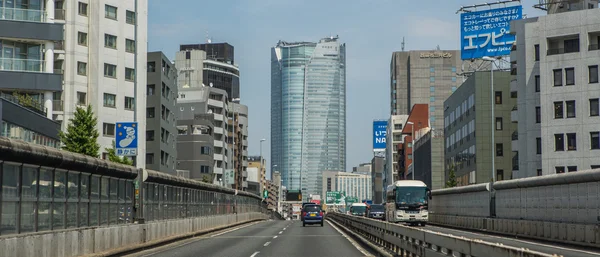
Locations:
column 358, row 209
column 312, row 214
column 376, row 211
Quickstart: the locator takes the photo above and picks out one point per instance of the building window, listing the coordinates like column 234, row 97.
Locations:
column 571, row 168
column 570, row 109
column 499, row 175
column 595, row 167
column 432, row 99
column 539, row 172
column 559, row 169
column 149, row 135
column 559, row 142
column 558, row 110
column 570, row 72
column 129, row 46
column 82, row 68
column 593, row 74
column 81, row 98
column 499, row 150
column 536, row 48
column 498, row 97
column 151, row 66
column 409, row 156
column 431, row 79
column 109, row 100
column 595, row 140
column 431, row 69
column 110, row 12
column 108, row 129
column 130, row 17
column 453, row 88
column 397, row 126
column 498, row 123
column 558, row 78
column 129, row 74
column 82, row 38
column 204, row 169
column 83, row 9
column 150, row 89
column 594, row 107
column 432, row 89
column 110, row 70
column 149, row 158
column 571, row 45
column 538, row 114
column 409, row 145
column 538, row 145
column 205, row 150
column 537, row 83
column 110, row 41
column 571, row 141
column 129, row 103
column 182, row 130
column 150, row 112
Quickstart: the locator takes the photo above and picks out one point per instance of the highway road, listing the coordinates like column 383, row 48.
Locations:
column 545, row 247
column 267, row 238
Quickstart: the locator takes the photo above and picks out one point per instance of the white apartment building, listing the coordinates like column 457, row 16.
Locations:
column 355, row 185
column 556, row 63
column 393, row 138
column 100, row 67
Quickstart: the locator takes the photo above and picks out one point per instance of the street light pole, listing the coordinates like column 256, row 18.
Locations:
column 493, row 102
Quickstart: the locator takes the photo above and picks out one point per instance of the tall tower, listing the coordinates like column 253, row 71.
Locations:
column 308, row 112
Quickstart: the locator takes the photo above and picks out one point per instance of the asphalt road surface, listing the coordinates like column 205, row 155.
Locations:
column 545, row 247
column 267, row 238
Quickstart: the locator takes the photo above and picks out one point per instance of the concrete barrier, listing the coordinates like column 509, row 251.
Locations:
column 105, row 241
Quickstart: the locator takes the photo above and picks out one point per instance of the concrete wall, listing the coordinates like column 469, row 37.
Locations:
column 76, row 242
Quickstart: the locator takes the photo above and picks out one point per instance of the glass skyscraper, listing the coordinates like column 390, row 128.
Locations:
column 308, row 112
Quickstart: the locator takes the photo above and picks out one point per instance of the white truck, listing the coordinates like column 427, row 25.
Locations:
column 407, row 202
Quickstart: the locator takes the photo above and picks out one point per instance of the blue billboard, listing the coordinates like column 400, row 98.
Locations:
column 126, row 138
column 379, row 133
column 487, row 33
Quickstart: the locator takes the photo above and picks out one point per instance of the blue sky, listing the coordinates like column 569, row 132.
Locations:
column 372, row 30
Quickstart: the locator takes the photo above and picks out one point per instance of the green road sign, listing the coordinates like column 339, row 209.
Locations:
column 335, row 198
column 265, row 194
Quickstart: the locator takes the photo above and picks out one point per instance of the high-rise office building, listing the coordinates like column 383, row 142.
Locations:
column 28, row 78
column 98, row 56
column 308, row 111
column 161, row 131
column 555, row 62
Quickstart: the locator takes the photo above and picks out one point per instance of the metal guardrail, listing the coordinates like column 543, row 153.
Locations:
column 408, row 241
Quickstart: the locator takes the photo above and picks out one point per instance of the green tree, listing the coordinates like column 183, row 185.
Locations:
column 82, row 135
column 452, row 178
column 113, row 157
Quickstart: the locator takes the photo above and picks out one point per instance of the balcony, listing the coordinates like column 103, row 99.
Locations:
column 514, row 115
column 593, row 47
column 59, row 46
column 513, row 85
column 17, row 14
column 218, row 130
column 26, row 102
column 58, row 105
column 26, row 65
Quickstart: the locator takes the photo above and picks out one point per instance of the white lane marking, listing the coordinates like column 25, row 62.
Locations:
column 517, row 240
column 280, row 232
column 284, row 228
column 267, row 243
column 358, row 247
column 254, row 254
column 231, row 230
column 274, row 237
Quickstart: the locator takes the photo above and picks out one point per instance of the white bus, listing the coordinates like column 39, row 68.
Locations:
column 407, row 202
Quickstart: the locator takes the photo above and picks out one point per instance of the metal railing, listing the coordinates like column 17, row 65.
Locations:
column 593, row 47
column 59, row 14
column 407, row 241
column 58, row 105
column 18, row 14
column 46, row 189
column 555, row 51
column 28, row 65
column 26, row 103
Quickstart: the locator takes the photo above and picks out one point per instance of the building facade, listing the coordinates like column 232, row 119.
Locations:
column 202, row 137
column 355, row 185
column 28, row 79
column 363, row 169
column 394, row 139
column 308, row 111
column 103, row 58
column 468, row 125
column 161, row 112
column 555, row 63
column 237, row 141
column 377, row 186
column 417, row 119
column 255, row 162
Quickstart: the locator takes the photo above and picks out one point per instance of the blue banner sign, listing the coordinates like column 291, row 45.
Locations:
column 487, row 33
column 379, row 133
column 126, row 138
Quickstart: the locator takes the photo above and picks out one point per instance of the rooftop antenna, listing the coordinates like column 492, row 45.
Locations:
column 208, row 39
column 402, row 45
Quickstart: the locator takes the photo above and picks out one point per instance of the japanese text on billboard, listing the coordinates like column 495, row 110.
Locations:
column 379, row 133
column 487, row 33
